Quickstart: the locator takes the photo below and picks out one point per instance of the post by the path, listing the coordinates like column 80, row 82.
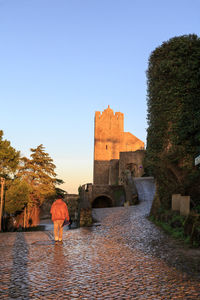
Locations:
column 197, row 160
column 2, row 192
column 25, row 217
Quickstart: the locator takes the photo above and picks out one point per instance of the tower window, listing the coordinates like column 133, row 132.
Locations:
column 106, row 147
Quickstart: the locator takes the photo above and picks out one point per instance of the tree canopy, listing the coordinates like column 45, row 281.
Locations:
column 29, row 181
column 173, row 134
column 17, row 196
column 38, row 172
column 9, row 157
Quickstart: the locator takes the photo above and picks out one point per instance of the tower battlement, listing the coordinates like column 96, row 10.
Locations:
column 108, row 112
column 108, row 120
column 110, row 139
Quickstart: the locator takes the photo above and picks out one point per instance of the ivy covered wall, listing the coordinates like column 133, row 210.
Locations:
column 173, row 134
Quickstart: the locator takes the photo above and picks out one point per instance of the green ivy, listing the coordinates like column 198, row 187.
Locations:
column 173, row 134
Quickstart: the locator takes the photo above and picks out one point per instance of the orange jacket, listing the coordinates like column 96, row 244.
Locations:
column 59, row 210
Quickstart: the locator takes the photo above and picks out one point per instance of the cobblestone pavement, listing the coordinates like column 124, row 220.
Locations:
column 126, row 257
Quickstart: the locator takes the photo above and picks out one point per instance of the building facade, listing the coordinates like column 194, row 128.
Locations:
column 109, row 141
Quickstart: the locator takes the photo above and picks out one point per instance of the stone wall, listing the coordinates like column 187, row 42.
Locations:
column 86, row 196
column 109, row 140
column 113, row 172
column 72, row 201
column 133, row 162
column 85, row 217
column 101, row 171
column 89, row 193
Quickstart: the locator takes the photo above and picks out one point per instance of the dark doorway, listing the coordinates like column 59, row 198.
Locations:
column 102, row 201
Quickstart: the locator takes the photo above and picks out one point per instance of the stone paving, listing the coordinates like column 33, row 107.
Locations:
column 123, row 256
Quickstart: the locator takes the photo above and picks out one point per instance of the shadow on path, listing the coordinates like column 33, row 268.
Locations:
column 19, row 283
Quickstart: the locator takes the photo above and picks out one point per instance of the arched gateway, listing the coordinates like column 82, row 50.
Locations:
column 102, row 201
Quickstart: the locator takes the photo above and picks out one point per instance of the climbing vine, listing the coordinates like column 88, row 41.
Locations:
column 173, row 134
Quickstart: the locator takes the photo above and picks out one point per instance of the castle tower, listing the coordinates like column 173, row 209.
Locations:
column 109, row 140
column 108, row 128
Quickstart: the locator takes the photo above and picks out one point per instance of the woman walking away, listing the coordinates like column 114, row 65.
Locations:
column 59, row 212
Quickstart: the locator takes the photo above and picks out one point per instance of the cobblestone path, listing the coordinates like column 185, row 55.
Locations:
column 126, row 257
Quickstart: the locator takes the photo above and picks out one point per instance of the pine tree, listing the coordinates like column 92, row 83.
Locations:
column 9, row 158
column 38, row 172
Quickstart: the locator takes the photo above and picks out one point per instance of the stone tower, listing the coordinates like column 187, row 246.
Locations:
column 109, row 140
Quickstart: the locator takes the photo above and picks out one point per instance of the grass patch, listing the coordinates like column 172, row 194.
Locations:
column 173, row 225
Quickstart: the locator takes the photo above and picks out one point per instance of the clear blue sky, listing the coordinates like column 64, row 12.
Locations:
column 62, row 60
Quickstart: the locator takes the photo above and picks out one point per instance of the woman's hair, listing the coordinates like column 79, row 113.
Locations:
column 59, row 196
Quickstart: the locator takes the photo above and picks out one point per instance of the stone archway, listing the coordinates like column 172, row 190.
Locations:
column 102, row 201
